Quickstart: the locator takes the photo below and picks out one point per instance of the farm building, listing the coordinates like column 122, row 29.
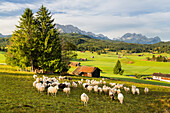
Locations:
column 87, row 71
column 74, row 64
column 161, row 77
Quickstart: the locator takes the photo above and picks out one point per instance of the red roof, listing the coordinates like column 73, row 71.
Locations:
column 85, row 69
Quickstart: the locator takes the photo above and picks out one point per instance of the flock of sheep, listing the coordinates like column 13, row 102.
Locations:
column 52, row 85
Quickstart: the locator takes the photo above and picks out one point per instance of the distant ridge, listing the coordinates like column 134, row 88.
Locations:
column 138, row 39
column 2, row 36
column 73, row 29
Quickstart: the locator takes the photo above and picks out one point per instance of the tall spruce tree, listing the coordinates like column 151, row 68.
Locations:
column 21, row 50
column 118, row 68
column 49, row 47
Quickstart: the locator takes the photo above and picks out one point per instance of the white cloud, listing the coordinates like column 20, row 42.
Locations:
column 7, row 24
column 110, row 17
column 9, row 6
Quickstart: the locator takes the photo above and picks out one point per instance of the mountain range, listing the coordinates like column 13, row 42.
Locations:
column 2, row 36
column 128, row 37
column 138, row 39
column 73, row 29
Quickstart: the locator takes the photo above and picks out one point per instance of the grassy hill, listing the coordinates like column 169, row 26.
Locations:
column 18, row 95
column 140, row 66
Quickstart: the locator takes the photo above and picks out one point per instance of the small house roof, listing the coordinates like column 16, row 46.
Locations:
column 161, row 75
column 86, row 69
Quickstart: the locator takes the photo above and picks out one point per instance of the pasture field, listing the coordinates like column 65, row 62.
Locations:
column 2, row 58
column 106, row 62
column 18, row 95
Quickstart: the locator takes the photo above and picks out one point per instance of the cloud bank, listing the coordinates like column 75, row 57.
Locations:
column 112, row 18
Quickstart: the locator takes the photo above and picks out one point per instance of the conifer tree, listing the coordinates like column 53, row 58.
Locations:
column 21, row 48
column 117, row 69
column 49, row 47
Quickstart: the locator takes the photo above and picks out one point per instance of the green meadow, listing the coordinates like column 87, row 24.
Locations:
column 140, row 66
column 17, row 93
column 2, row 57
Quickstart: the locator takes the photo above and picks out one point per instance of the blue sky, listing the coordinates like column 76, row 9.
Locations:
column 112, row 18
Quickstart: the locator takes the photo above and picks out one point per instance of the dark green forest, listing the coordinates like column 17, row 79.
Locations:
column 84, row 43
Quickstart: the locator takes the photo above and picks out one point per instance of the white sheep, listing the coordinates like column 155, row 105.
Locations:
column 118, row 91
column 104, row 82
column 74, row 84
column 96, row 88
column 38, row 80
column 84, row 85
column 67, row 84
column 66, row 90
column 34, row 83
column 89, row 88
column 105, row 89
column 146, row 90
column 126, row 89
column 137, row 90
column 38, row 85
column 84, row 98
column 112, row 84
column 34, row 76
column 41, row 88
column 52, row 90
column 120, row 97
column 133, row 89
column 100, row 90
column 80, row 82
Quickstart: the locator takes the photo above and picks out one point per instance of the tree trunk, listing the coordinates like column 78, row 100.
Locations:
column 32, row 66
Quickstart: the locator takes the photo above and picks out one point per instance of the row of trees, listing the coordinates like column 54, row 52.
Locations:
column 36, row 43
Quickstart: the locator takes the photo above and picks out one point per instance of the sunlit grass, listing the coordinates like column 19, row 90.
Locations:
column 18, row 95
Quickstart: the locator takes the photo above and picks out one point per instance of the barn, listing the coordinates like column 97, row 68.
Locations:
column 87, row 71
column 161, row 77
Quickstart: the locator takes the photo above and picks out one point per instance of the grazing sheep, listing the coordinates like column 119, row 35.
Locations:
column 146, row 90
column 89, row 88
column 102, row 78
column 42, row 88
column 52, row 90
column 34, row 76
column 38, row 80
column 96, row 88
column 34, row 83
column 137, row 90
column 111, row 94
column 85, row 85
column 105, row 89
column 133, row 89
column 104, row 82
column 66, row 90
column 101, row 81
column 80, row 82
column 127, row 89
column 114, row 90
column 120, row 97
column 84, row 98
column 118, row 91
column 112, row 84
column 74, row 84
column 38, row 85
column 100, row 90
column 67, row 84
